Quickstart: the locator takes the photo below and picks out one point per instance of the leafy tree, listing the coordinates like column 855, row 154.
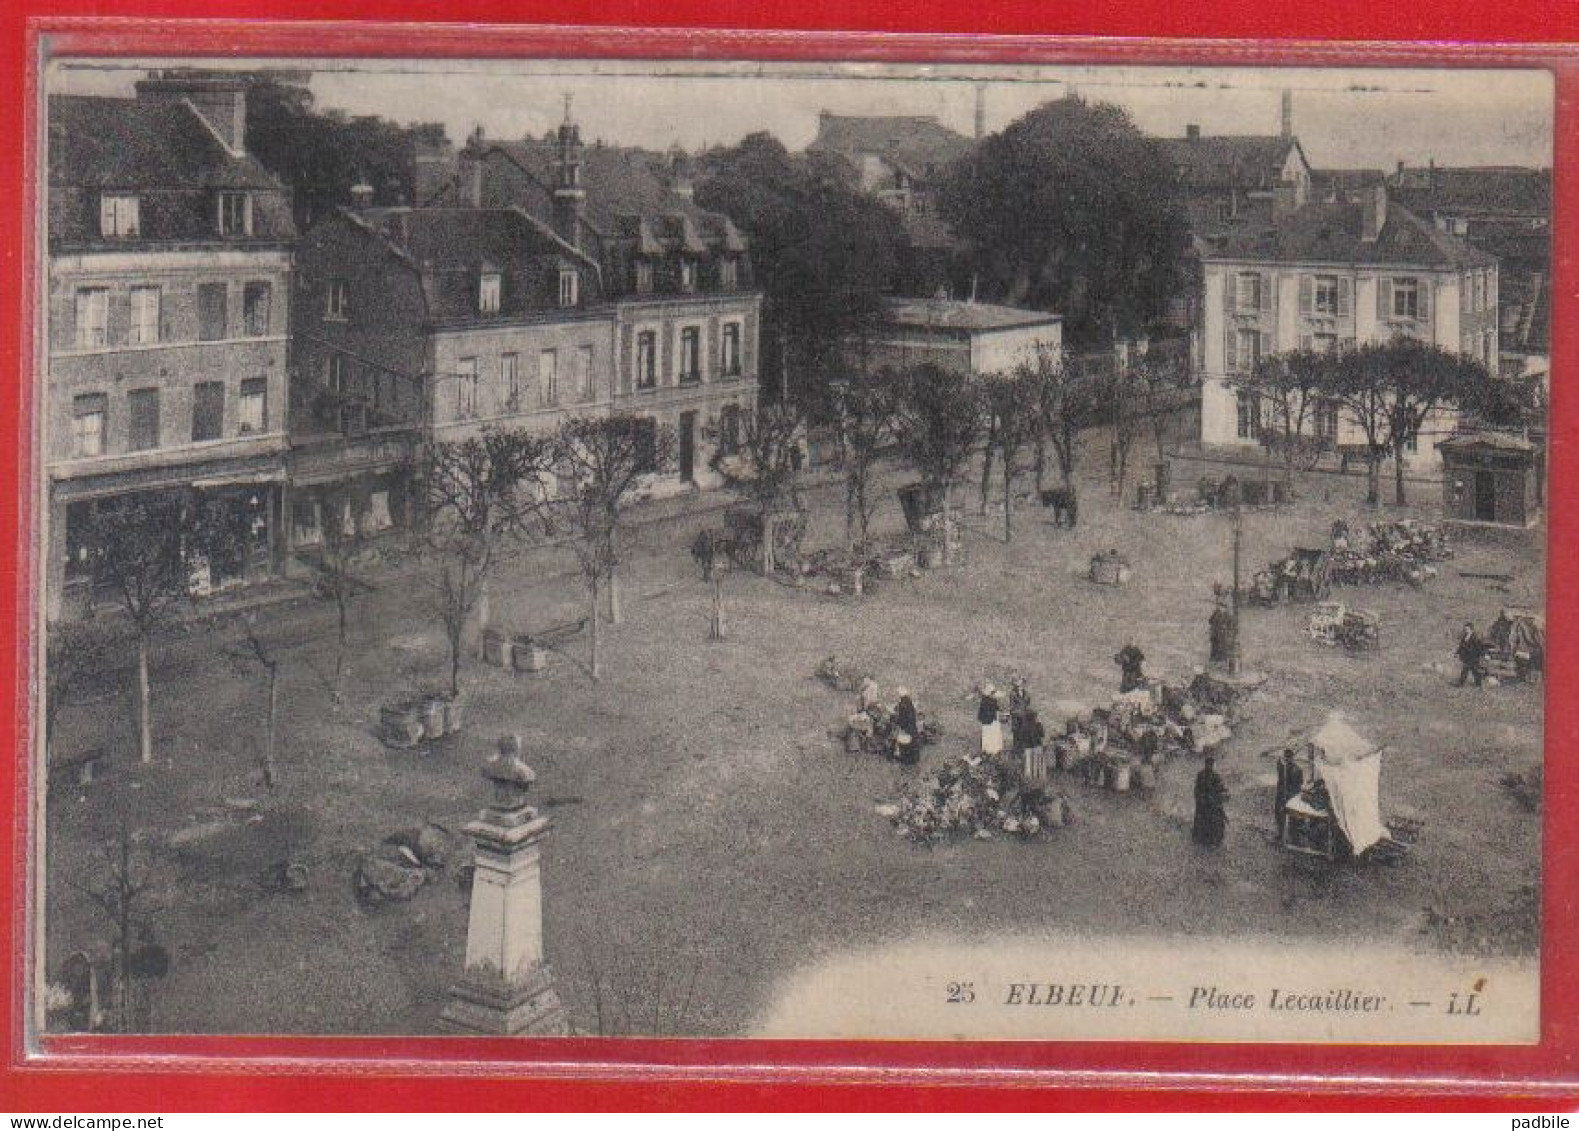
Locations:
column 1071, row 208
column 1389, row 389
column 481, row 491
column 322, row 154
column 766, row 469
column 938, row 421
column 147, row 550
column 823, row 252
column 1291, row 388
column 602, row 460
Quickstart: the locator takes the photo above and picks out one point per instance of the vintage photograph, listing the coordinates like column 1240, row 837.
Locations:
column 732, row 549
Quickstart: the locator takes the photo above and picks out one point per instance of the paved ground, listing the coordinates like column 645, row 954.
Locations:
column 710, row 838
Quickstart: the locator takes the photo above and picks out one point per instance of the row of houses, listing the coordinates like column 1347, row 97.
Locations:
column 1287, row 256
column 195, row 340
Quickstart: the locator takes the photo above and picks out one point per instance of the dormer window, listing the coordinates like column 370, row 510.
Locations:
column 235, row 214
column 488, row 293
column 687, row 275
column 569, row 287
column 337, row 299
column 118, row 216
column 644, row 276
column 728, row 273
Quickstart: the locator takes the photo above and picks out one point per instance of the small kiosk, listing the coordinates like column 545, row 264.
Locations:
column 1491, row 478
column 1338, row 814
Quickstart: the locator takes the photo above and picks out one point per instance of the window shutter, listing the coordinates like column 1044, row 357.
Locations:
column 627, row 355
column 1345, row 296
column 1426, row 286
column 1267, row 283
column 1230, row 292
column 1466, row 293
column 106, row 214
column 1307, row 290
column 1230, row 350
column 1266, row 344
column 666, row 363
column 1384, row 299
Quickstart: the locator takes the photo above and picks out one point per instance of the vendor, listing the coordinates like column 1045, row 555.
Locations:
column 1211, row 817
column 1290, row 781
column 1029, row 733
column 1131, row 661
column 906, row 721
column 1471, row 653
column 869, row 693
column 987, row 716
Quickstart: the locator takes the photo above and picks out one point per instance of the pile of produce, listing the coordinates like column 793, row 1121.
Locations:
column 853, row 572
column 1388, row 551
column 1121, row 744
column 1338, row 626
column 979, row 797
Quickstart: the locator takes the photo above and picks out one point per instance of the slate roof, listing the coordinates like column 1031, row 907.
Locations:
column 1325, row 182
column 1330, row 233
column 622, row 184
column 97, row 144
column 1487, row 441
column 919, row 145
column 449, row 247
column 953, row 314
column 1224, row 161
column 1471, row 191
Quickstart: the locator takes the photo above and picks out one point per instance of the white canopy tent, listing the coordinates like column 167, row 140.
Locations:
column 1351, row 767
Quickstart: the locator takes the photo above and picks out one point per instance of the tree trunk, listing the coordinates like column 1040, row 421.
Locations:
column 268, row 730
column 340, row 631
column 1041, row 463
column 947, row 548
column 716, row 627
column 987, row 451
column 1008, row 500
column 483, row 614
column 455, row 662
column 768, row 525
column 145, row 738
column 1399, row 495
column 616, row 603
column 123, row 930
column 1373, row 475
column 596, row 664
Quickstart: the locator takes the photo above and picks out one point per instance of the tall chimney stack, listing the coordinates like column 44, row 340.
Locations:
column 1288, row 113
column 1373, row 213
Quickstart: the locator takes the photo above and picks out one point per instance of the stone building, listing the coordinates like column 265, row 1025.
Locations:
column 1327, row 276
column 411, row 323
column 966, row 337
column 169, row 267
column 674, row 278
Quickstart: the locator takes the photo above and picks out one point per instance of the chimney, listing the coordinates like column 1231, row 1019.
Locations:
column 1373, row 213
column 220, row 100
column 981, row 110
column 471, row 168
column 1399, row 180
column 1192, row 132
column 570, row 198
column 1288, row 114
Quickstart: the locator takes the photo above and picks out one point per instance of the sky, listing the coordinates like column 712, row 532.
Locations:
column 1344, row 117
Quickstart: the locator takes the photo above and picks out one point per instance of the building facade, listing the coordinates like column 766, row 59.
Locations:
column 1329, row 276
column 169, row 274
column 419, row 323
column 675, row 280
column 971, row 338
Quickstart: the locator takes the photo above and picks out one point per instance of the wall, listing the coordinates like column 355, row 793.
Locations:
column 998, row 351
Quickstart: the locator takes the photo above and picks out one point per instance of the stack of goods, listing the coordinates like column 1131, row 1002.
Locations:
column 840, row 675
column 1389, row 551
column 1336, row 625
column 852, row 572
column 1118, row 747
column 1110, row 568
column 871, row 731
column 979, row 797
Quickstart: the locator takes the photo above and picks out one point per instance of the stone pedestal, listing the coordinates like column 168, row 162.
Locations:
column 506, row 990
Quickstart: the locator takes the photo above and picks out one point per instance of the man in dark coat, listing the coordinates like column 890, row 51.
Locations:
column 906, row 720
column 1131, row 661
column 1211, row 819
column 1471, row 652
column 1290, row 780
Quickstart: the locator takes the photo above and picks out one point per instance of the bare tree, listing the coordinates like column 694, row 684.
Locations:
column 602, row 460
column 1058, row 420
column 1291, row 389
column 252, row 653
column 865, row 404
column 766, row 469
column 481, row 491
column 937, row 422
column 341, row 549
column 1010, row 401
column 129, row 892
column 79, row 654
column 710, row 549
column 146, row 549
